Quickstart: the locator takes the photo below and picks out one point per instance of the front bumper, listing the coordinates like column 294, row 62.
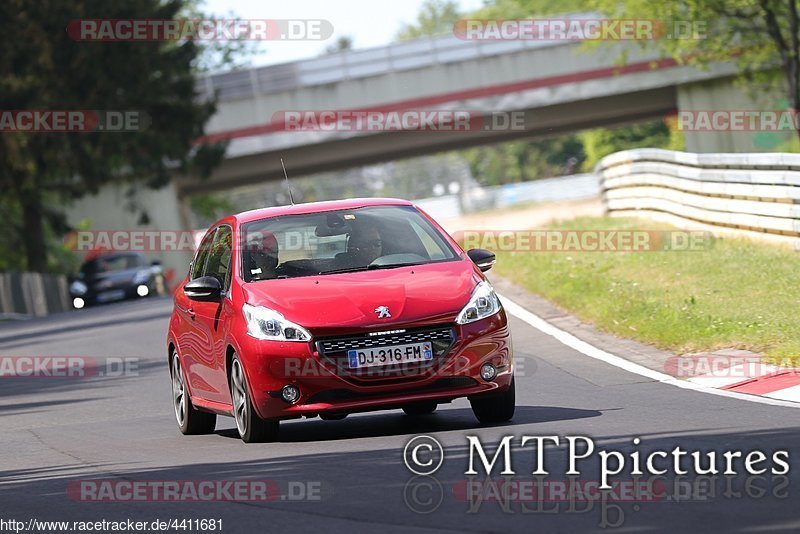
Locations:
column 324, row 388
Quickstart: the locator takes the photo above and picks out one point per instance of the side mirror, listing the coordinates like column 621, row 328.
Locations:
column 205, row 289
column 484, row 259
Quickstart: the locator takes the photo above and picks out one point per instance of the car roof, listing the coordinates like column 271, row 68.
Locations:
column 115, row 254
column 316, row 207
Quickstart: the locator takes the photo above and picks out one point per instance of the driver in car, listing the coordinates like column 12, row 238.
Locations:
column 365, row 245
column 263, row 255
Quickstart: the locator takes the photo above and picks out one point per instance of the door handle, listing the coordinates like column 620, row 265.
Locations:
column 191, row 313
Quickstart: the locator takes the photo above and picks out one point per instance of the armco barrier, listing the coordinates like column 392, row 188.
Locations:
column 32, row 294
column 752, row 194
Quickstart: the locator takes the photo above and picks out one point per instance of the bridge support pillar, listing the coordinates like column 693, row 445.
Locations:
column 724, row 95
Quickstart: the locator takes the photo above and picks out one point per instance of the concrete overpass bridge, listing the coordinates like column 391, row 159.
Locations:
column 558, row 86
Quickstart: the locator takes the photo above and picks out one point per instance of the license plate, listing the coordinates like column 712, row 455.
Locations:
column 392, row 355
column 107, row 296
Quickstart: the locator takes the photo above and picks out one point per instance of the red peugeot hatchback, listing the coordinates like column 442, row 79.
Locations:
column 331, row 308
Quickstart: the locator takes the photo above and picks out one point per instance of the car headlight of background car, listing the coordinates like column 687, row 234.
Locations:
column 264, row 323
column 483, row 303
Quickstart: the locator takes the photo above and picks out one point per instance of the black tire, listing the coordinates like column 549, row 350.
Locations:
column 420, row 408
column 495, row 408
column 251, row 428
column 190, row 420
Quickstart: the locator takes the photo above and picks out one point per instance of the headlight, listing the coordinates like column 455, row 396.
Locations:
column 141, row 277
column 483, row 303
column 78, row 288
column 264, row 323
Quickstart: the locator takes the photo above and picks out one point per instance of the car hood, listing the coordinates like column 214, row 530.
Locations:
column 434, row 292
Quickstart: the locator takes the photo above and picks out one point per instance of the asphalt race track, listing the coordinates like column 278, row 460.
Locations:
column 350, row 476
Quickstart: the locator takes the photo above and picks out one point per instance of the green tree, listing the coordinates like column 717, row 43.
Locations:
column 601, row 142
column 516, row 9
column 520, row 161
column 218, row 54
column 436, row 17
column 759, row 35
column 210, row 207
column 342, row 44
column 44, row 69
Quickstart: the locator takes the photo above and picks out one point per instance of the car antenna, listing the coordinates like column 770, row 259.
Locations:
column 288, row 186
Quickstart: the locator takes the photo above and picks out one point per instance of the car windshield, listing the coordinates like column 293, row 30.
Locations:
column 374, row 237
column 106, row 264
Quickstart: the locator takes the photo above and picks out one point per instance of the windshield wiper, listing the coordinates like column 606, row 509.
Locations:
column 392, row 265
column 368, row 268
column 344, row 270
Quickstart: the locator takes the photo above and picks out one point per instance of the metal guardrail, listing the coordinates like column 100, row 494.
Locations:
column 749, row 192
column 354, row 64
column 32, row 294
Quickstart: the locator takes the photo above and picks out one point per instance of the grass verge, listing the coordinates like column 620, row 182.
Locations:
column 734, row 294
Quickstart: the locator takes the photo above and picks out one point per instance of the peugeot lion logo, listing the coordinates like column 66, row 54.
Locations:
column 383, row 312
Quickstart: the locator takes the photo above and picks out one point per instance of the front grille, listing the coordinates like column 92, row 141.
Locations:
column 334, row 351
column 340, row 395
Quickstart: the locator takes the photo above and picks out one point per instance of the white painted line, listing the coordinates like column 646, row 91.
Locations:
column 716, row 381
column 593, row 352
column 792, row 393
